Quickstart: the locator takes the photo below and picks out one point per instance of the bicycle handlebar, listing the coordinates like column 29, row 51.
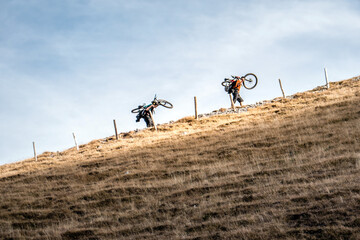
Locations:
column 237, row 77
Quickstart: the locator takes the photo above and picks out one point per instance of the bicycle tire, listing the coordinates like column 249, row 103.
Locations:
column 225, row 83
column 165, row 103
column 250, row 81
column 136, row 110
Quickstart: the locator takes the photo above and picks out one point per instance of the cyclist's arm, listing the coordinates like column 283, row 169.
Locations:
column 150, row 107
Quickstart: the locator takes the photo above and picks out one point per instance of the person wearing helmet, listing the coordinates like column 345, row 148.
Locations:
column 235, row 89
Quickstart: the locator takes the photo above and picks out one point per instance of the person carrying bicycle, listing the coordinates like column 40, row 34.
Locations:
column 146, row 111
column 234, row 89
column 145, row 114
column 232, row 85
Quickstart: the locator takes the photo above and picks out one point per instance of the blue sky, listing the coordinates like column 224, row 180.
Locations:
column 75, row 65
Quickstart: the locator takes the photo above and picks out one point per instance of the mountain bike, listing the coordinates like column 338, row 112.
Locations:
column 250, row 81
column 146, row 111
column 156, row 102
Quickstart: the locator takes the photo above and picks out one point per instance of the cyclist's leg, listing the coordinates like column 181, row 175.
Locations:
column 234, row 96
column 148, row 120
column 240, row 100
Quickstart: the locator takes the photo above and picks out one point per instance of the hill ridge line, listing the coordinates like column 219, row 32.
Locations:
column 219, row 112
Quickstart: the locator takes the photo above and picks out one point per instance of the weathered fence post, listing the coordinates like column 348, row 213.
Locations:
column 77, row 146
column 232, row 103
column 282, row 90
column 35, row 156
column 116, row 133
column 152, row 118
column 326, row 79
column 196, row 111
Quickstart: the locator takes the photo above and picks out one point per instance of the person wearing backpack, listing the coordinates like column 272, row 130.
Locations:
column 235, row 89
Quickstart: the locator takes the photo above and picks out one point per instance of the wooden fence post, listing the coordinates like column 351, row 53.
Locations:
column 116, row 133
column 35, row 156
column 232, row 103
column 196, row 111
column 77, row 146
column 282, row 90
column 152, row 118
column 326, row 79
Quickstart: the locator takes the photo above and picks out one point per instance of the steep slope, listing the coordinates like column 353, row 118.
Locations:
column 286, row 169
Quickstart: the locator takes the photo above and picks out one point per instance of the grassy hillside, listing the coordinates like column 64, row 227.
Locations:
column 288, row 169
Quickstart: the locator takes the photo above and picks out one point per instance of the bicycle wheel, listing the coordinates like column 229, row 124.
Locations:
column 250, row 81
column 165, row 103
column 225, row 83
column 136, row 110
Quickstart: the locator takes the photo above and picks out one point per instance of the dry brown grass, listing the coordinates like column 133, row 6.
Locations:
column 286, row 170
